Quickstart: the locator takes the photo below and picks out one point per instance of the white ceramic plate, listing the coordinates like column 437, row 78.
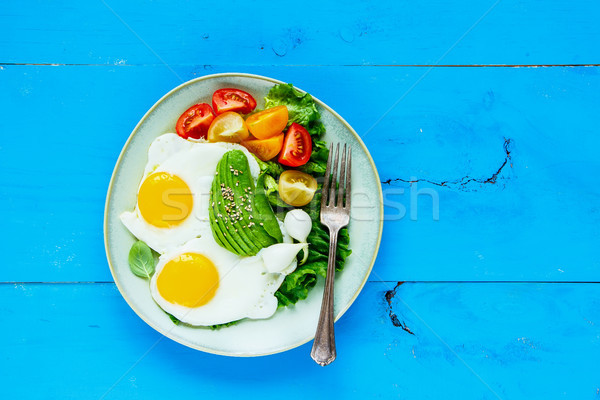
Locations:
column 289, row 327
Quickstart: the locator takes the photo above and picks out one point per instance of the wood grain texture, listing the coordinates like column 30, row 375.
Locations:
column 509, row 152
column 246, row 33
column 468, row 341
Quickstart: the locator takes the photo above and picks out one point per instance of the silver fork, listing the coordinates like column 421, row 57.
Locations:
column 335, row 214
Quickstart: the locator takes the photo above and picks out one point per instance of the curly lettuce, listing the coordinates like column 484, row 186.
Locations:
column 302, row 109
column 297, row 284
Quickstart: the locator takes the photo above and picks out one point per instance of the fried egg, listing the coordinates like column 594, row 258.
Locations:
column 201, row 283
column 172, row 199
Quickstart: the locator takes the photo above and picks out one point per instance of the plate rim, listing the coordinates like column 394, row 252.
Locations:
column 111, row 186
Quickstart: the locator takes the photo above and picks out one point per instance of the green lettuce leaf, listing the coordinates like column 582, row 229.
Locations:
column 270, row 167
column 301, row 106
column 317, row 164
column 225, row 325
column 302, row 109
column 212, row 327
column 272, row 192
column 297, row 285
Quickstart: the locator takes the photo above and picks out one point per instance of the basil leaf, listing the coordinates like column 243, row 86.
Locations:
column 141, row 260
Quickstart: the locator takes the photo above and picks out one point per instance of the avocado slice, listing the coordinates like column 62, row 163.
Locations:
column 241, row 217
column 243, row 187
column 231, row 208
column 216, row 230
column 226, row 209
column 217, row 223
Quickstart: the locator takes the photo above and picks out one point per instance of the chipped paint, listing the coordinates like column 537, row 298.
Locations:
column 389, row 295
column 466, row 183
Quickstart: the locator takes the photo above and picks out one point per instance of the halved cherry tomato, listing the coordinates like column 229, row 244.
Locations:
column 297, row 146
column 228, row 127
column 296, row 188
column 268, row 123
column 224, row 100
column 195, row 121
column 265, row 149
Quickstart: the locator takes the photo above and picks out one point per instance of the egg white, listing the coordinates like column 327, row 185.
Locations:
column 298, row 224
column 246, row 287
column 195, row 163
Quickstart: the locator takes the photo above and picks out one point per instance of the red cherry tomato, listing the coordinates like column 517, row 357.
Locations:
column 233, row 100
column 297, row 146
column 195, row 121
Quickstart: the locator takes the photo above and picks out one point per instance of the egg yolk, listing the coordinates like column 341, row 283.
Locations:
column 189, row 279
column 164, row 200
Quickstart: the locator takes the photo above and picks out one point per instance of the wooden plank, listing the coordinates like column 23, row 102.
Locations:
column 534, row 217
column 316, row 33
column 469, row 341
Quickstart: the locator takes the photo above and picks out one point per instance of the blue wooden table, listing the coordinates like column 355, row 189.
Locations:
column 482, row 118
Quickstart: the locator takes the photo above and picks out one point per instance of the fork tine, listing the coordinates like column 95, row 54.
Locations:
column 333, row 183
column 327, row 178
column 348, row 178
column 340, row 195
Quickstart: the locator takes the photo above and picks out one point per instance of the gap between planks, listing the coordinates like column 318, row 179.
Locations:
column 369, row 281
column 312, row 65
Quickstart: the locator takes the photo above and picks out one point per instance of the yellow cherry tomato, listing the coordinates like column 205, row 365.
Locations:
column 265, row 149
column 296, row 188
column 228, row 127
column 268, row 123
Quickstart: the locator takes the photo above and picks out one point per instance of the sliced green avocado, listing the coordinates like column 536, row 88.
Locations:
column 217, row 234
column 217, row 224
column 238, row 222
column 245, row 192
column 231, row 207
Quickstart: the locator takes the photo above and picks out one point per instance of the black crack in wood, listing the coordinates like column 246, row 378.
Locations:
column 466, row 182
column 389, row 295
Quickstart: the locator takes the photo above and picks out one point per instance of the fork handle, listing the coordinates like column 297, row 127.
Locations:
column 323, row 350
